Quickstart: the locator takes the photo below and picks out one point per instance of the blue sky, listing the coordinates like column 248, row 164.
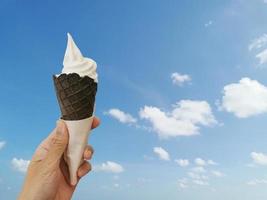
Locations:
column 182, row 94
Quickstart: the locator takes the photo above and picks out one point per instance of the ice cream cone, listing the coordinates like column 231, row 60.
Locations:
column 76, row 89
column 76, row 96
column 78, row 136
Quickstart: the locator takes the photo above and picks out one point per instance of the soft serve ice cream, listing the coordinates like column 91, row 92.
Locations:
column 74, row 62
column 76, row 88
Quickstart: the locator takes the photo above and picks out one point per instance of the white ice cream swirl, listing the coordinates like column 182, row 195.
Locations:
column 74, row 62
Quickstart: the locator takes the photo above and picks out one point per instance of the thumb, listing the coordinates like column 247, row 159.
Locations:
column 59, row 142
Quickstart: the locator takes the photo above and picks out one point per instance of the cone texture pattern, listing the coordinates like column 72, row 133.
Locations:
column 76, row 96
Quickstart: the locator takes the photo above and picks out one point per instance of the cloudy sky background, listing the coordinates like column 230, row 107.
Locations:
column 182, row 95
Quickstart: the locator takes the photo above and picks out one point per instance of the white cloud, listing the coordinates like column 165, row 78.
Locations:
column 197, row 176
column 193, row 178
column 257, row 181
column 201, row 176
column 165, row 124
column 258, row 42
column 182, row 162
column 162, row 153
column 200, row 162
column 2, row 144
column 183, row 120
column 217, row 173
column 262, row 56
column 211, row 162
column 183, row 183
column 200, row 182
column 180, row 79
column 259, row 158
column 199, row 170
column 196, row 112
column 109, row 166
column 245, row 99
column 121, row 116
column 209, row 23
column 20, row 164
column 252, row 182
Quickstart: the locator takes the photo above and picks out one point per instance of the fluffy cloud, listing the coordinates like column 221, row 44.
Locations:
column 162, row 153
column 182, row 162
column 197, row 176
column 121, row 116
column 257, row 181
column 20, row 164
column 183, row 120
column 262, row 56
column 200, row 162
column 196, row 112
column 211, row 162
column 260, row 44
column 245, row 99
column 199, row 170
column 201, row 174
column 2, row 144
column 217, row 173
column 167, row 125
column 259, row 158
column 109, row 166
column 195, row 179
column 183, row 183
column 200, row 182
column 180, row 79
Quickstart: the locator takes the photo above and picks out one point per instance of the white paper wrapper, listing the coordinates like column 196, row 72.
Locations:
column 78, row 137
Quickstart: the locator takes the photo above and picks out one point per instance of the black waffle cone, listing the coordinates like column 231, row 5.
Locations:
column 76, row 96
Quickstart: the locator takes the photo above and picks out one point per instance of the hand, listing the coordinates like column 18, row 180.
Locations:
column 47, row 176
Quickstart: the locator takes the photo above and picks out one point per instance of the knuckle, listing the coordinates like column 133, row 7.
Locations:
column 58, row 140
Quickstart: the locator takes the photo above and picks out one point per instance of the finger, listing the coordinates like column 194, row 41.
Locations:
column 44, row 146
column 95, row 123
column 64, row 169
column 88, row 152
column 47, row 141
column 59, row 143
column 84, row 169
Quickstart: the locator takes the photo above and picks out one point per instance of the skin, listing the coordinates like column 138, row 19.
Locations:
column 47, row 176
